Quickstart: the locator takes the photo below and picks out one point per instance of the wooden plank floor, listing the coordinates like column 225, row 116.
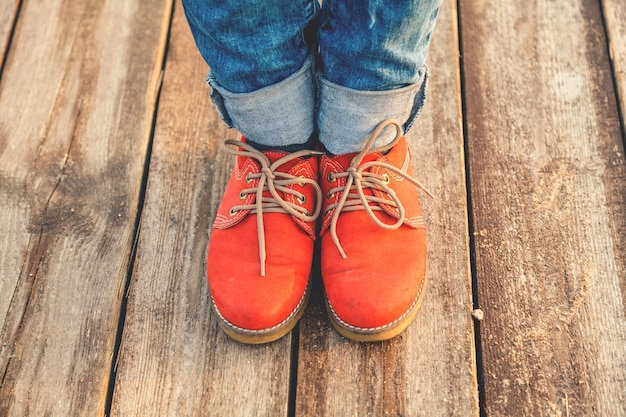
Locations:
column 111, row 171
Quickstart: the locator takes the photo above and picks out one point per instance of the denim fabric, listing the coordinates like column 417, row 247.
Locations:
column 251, row 44
column 376, row 44
column 370, row 65
column 278, row 115
column 347, row 116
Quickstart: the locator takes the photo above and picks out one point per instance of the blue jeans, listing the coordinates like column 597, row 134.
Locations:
column 281, row 70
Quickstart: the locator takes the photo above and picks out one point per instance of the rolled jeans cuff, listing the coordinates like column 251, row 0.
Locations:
column 281, row 114
column 346, row 117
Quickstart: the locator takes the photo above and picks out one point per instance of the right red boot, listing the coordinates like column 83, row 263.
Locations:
column 373, row 248
column 261, row 246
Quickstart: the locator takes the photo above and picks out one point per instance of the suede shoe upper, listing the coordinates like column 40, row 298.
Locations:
column 261, row 247
column 373, row 250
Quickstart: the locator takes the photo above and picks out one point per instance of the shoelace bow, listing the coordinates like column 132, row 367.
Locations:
column 274, row 182
column 359, row 178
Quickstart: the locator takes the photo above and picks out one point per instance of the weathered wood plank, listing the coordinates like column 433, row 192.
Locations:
column 430, row 369
column 174, row 360
column 8, row 14
column 615, row 18
column 77, row 96
column 548, row 193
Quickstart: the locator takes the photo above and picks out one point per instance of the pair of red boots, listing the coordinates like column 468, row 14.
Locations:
column 373, row 248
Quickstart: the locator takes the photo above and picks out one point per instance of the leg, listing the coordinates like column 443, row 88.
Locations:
column 261, row 247
column 372, row 58
column 261, row 77
column 373, row 251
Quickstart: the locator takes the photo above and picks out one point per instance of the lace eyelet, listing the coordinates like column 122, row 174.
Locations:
column 248, row 179
column 331, row 178
column 301, row 199
column 302, row 184
column 232, row 212
column 386, row 179
column 242, row 196
column 330, row 195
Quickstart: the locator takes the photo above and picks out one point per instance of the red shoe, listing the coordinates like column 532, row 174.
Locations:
column 373, row 252
column 261, row 247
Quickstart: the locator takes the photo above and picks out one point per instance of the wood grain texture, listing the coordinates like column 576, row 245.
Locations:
column 615, row 20
column 548, row 193
column 8, row 16
column 77, row 96
column 174, row 359
column 429, row 369
column 548, row 189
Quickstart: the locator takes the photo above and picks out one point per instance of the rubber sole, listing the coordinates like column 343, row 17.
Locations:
column 379, row 333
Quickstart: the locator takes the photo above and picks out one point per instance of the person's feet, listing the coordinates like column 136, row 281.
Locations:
column 261, row 247
column 373, row 249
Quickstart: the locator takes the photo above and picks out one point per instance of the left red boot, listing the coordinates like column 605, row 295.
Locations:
column 261, row 247
column 373, row 251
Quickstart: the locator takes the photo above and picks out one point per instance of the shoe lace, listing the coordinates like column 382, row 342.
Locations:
column 358, row 178
column 274, row 181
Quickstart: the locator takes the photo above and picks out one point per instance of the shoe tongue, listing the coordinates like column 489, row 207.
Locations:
column 345, row 160
column 273, row 156
column 285, row 167
column 276, row 155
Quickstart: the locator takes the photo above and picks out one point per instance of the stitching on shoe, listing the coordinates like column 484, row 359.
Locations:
column 306, row 168
column 242, row 330
column 389, row 172
column 248, row 167
column 379, row 328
